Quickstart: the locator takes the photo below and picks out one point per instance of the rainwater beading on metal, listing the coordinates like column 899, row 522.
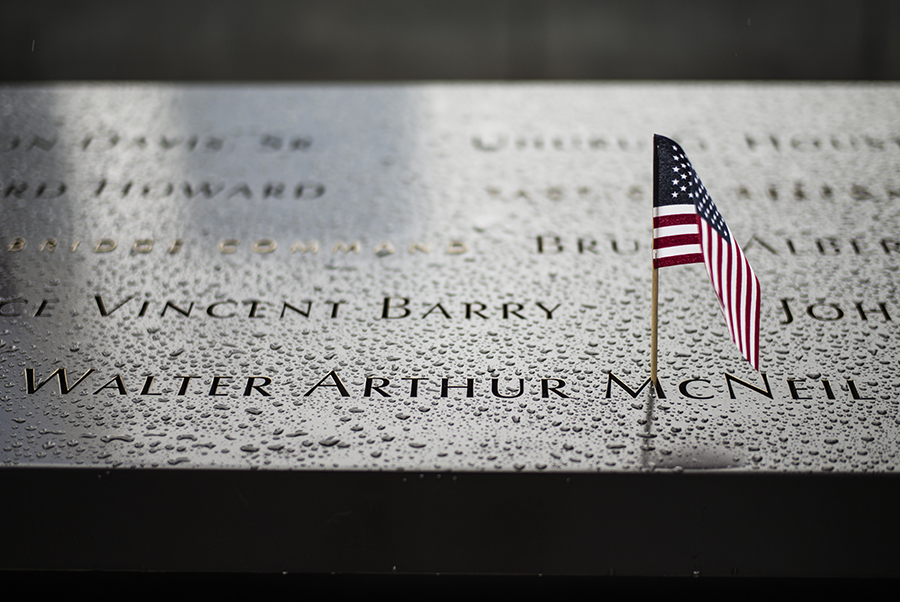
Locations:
column 354, row 284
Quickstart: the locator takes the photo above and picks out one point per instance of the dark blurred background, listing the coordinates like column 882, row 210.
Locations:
column 372, row 40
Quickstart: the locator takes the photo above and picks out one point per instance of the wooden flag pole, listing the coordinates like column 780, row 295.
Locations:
column 654, row 301
column 654, row 307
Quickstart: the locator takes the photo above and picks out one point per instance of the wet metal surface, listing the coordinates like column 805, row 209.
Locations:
column 442, row 277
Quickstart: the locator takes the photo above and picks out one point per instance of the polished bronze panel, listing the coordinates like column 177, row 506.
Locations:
column 440, row 277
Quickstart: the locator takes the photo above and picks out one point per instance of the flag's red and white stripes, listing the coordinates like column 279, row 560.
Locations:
column 688, row 228
column 676, row 236
column 737, row 288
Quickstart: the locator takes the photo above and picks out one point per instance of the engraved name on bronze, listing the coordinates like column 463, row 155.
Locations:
column 575, row 142
column 230, row 246
column 108, row 141
column 201, row 189
column 387, row 308
column 819, row 142
column 796, row 190
column 543, row 387
column 553, row 244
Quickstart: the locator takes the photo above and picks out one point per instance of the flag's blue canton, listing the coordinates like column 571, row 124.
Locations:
column 674, row 176
column 679, row 184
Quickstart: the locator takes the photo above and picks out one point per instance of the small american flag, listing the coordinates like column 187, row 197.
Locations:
column 687, row 228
